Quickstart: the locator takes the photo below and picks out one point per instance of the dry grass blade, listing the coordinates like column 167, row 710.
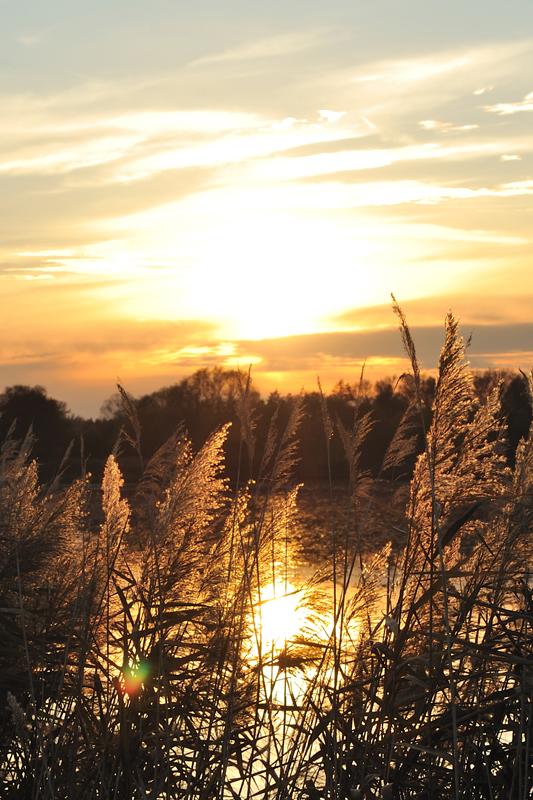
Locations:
column 408, row 342
column 245, row 413
column 131, row 414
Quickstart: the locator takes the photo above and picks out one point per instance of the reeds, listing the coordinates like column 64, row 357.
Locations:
column 133, row 663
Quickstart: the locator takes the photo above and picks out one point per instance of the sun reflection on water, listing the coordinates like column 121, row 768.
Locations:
column 280, row 614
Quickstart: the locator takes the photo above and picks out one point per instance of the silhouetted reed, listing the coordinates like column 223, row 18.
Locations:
column 133, row 663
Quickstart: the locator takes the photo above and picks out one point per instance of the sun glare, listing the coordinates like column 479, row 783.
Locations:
column 279, row 614
column 290, row 264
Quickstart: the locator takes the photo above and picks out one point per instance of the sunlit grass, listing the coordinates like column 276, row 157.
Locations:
column 173, row 652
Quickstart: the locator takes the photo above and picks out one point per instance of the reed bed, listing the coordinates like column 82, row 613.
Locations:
column 133, row 660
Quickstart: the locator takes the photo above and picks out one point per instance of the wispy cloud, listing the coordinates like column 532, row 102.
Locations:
column 99, row 151
column 346, row 160
column 158, row 340
column 278, row 196
column 512, row 108
column 422, row 84
column 55, row 145
column 444, row 127
column 343, row 353
column 268, row 47
column 28, row 40
column 103, row 266
column 488, row 310
column 518, row 187
column 331, row 116
column 46, row 141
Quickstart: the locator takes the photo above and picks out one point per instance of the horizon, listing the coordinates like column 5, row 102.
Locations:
column 187, row 187
column 94, row 409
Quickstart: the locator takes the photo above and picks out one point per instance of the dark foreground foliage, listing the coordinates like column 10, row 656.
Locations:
column 206, row 400
column 132, row 660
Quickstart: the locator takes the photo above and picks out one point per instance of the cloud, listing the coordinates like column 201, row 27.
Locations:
column 50, row 144
column 503, row 109
column 363, row 159
column 70, row 131
column 517, row 187
column 104, row 266
column 288, row 122
column 403, row 91
column 269, row 47
column 48, row 137
column 444, row 127
column 345, row 192
column 22, row 277
column 331, row 116
column 432, row 124
column 488, row 311
column 344, row 351
column 208, row 121
column 238, row 147
column 443, row 233
column 79, row 129
column 156, row 340
column 150, row 354
column 28, row 41
column 78, row 156
column 368, row 123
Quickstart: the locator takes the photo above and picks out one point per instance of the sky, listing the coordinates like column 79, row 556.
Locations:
column 213, row 183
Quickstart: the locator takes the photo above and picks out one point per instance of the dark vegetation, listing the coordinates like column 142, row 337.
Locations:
column 207, row 399
column 132, row 660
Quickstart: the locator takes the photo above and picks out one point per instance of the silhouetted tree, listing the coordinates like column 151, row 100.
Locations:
column 207, row 399
column 485, row 382
column 516, row 408
column 112, row 407
column 200, row 403
column 25, row 407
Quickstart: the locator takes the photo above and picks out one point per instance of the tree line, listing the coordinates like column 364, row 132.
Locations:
column 209, row 398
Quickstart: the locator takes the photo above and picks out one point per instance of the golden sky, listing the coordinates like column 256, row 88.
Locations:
column 225, row 183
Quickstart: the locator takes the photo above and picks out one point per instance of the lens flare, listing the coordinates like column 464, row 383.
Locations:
column 133, row 676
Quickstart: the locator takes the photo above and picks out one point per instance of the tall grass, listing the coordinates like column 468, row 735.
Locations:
column 133, row 663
